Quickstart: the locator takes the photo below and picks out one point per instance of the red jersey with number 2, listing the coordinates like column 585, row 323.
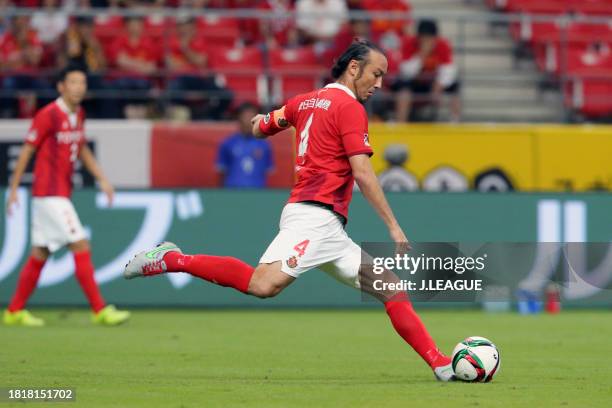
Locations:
column 57, row 134
column 331, row 126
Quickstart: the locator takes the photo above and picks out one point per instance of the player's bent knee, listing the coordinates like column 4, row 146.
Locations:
column 268, row 281
column 263, row 289
column 79, row 246
column 40, row 253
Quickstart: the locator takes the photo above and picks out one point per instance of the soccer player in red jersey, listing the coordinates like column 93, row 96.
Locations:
column 333, row 151
column 57, row 138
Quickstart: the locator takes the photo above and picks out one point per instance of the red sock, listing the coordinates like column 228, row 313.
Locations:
column 222, row 270
column 27, row 282
column 84, row 271
column 408, row 325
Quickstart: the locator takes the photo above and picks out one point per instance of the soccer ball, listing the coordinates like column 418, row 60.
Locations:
column 476, row 359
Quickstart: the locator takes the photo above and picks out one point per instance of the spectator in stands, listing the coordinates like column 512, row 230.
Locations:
column 5, row 7
column 279, row 31
column 320, row 20
column 357, row 28
column 136, row 56
column 425, row 73
column 20, row 58
column 156, row 23
column 244, row 161
column 396, row 178
column 107, row 24
column 21, row 47
column 186, row 62
column 50, row 22
column 106, row 17
column 388, row 33
column 381, row 26
column 81, row 48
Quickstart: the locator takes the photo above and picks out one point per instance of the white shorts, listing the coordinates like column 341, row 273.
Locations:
column 313, row 237
column 55, row 223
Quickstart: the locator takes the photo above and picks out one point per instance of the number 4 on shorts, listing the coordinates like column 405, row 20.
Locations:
column 301, row 247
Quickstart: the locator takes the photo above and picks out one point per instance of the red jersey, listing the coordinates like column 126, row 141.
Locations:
column 144, row 49
column 380, row 25
column 11, row 50
column 57, row 134
column 331, row 125
column 196, row 44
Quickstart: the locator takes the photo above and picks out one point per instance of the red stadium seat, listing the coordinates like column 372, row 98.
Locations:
column 591, row 7
column 574, row 59
column 550, row 47
column 534, row 6
column 576, row 53
column 294, row 71
column 533, row 32
column 222, row 32
column 528, row 31
column 590, row 96
column 242, row 71
column 589, row 82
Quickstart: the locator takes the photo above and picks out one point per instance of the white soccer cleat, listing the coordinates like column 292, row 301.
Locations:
column 445, row 373
column 149, row 262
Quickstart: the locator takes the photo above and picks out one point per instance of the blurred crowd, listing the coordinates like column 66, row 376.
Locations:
column 145, row 62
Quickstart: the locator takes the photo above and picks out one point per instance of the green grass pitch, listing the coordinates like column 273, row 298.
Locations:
column 320, row 358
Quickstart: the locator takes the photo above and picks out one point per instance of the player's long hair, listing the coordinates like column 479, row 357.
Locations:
column 357, row 51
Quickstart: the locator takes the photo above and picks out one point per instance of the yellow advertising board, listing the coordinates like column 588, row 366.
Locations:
column 531, row 157
column 574, row 158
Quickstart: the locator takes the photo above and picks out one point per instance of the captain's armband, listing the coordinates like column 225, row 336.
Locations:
column 273, row 122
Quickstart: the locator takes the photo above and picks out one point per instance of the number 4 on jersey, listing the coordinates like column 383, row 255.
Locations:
column 74, row 151
column 301, row 247
column 304, row 135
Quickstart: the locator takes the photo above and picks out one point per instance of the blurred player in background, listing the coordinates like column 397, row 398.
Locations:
column 57, row 138
column 244, row 161
column 333, row 151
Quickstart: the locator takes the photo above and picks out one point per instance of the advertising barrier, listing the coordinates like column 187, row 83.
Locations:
column 554, row 158
column 243, row 223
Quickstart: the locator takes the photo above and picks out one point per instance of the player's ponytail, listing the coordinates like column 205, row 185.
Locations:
column 357, row 51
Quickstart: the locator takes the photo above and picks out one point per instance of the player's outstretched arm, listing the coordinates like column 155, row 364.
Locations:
column 91, row 164
column 269, row 124
column 27, row 151
column 368, row 184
